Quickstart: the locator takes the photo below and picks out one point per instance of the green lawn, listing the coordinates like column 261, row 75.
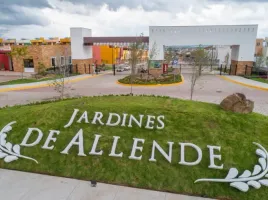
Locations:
column 260, row 80
column 185, row 121
column 31, row 80
column 25, row 80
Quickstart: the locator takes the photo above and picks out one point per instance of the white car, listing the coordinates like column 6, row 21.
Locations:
column 120, row 69
column 127, row 68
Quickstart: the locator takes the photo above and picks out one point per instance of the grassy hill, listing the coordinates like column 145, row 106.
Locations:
column 185, row 121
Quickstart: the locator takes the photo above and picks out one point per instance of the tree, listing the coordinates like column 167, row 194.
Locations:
column 60, row 83
column 152, row 54
column 227, row 58
column 260, row 61
column 19, row 54
column 200, row 59
column 214, row 56
column 136, row 50
column 169, row 55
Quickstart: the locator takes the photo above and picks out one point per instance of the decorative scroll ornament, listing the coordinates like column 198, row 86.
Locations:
column 254, row 179
column 8, row 151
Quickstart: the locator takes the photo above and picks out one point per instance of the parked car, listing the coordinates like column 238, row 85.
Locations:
column 120, row 68
column 126, row 68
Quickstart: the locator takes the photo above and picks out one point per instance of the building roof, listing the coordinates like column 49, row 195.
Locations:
column 91, row 40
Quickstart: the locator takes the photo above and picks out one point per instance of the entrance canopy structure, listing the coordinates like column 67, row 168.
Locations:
column 241, row 38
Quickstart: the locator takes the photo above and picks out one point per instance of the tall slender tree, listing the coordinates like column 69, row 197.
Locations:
column 136, row 50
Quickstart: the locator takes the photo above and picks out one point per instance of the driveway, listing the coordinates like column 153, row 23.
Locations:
column 209, row 88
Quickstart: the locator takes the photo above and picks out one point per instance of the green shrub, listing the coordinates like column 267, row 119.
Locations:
column 164, row 79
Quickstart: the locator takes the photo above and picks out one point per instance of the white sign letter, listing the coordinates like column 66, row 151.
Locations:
column 110, row 119
column 167, row 156
column 160, row 122
column 124, row 119
column 98, row 116
column 50, row 138
column 132, row 118
column 72, row 118
column 84, row 116
column 94, row 146
column 74, row 141
column 212, row 157
column 28, row 134
column 199, row 153
column 150, row 122
column 116, row 138
column 135, row 147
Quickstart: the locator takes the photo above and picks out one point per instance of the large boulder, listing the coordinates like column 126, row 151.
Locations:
column 237, row 103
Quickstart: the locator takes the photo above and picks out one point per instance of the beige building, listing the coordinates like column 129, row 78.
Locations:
column 42, row 54
column 259, row 47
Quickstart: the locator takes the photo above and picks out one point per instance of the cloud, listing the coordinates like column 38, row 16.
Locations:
column 240, row 1
column 127, row 18
column 17, row 15
column 25, row 3
column 147, row 5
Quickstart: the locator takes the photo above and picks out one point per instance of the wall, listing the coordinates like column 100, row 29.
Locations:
column 42, row 54
column 259, row 47
column 5, row 60
column 83, row 66
column 79, row 51
column 222, row 52
column 109, row 55
column 242, row 35
column 235, row 52
column 241, row 67
column 96, row 55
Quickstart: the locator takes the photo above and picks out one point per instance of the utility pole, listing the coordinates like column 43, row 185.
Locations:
column 212, row 58
column 113, row 65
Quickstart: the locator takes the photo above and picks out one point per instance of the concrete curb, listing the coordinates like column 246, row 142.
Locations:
column 25, row 86
column 244, row 84
column 157, row 85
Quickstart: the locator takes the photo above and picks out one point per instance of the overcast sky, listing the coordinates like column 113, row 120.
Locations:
column 51, row 18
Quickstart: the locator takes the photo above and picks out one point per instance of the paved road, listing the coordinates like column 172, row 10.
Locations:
column 7, row 78
column 209, row 88
column 16, row 185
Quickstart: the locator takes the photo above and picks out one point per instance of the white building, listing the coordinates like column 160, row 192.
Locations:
column 241, row 38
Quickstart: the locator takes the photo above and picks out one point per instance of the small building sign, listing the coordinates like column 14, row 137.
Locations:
column 165, row 68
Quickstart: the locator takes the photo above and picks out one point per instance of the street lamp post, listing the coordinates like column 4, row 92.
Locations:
column 113, row 60
column 113, row 65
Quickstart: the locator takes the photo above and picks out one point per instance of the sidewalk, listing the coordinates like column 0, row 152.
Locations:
column 15, row 185
column 71, row 79
column 246, row 82
column 18, row 74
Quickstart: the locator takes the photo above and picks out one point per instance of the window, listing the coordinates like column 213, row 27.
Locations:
column 28, row 63
column 53, row 62
column 62, row 61
column 258, row 44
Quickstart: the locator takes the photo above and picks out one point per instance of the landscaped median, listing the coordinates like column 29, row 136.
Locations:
column 157, row 143
column 163, row 80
